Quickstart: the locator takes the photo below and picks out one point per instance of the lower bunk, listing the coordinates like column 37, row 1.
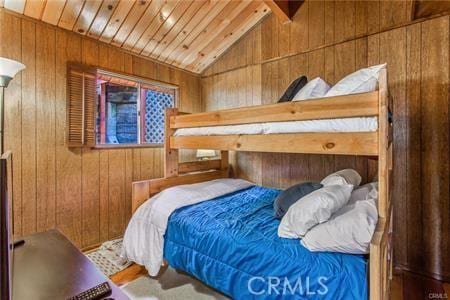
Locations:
column 230, row 243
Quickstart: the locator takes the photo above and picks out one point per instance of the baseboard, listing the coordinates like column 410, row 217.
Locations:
column 398, row 269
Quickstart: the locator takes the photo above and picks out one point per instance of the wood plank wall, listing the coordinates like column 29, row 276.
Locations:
column 84, row 193
column 331, row 39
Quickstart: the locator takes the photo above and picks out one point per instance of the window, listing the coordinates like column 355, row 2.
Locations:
column 131, row 111
column 108, row 109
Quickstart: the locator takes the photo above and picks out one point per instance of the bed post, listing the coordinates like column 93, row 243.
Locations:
column 170, row 155
column 380, row 247
column 223, row 160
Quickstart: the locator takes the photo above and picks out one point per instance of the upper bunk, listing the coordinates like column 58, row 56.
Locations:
column 349, row 141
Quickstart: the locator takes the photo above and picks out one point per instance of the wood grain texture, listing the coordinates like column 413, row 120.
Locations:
column 85, row 193
column 314, row 143
column 417, row 57
column 147, row 27
column 337, row 107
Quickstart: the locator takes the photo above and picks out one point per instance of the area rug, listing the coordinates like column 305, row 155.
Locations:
column 107, row 257
column 171, row 285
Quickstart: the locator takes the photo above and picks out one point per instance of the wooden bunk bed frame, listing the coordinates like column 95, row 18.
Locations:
column 377, row 145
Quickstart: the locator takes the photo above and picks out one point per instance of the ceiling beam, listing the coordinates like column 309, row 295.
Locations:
column 284, row 9
column 429, row 8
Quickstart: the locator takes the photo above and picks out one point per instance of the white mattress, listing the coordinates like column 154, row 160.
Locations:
column 368, row 124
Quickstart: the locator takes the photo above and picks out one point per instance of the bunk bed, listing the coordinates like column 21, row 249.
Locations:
column 375, row 143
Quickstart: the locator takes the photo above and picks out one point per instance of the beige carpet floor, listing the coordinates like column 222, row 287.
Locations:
column 170, row 285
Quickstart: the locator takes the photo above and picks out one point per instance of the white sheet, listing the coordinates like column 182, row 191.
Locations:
column 143, row 241
column 367, row 124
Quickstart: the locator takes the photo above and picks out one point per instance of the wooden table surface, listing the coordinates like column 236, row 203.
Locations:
column 49, row 266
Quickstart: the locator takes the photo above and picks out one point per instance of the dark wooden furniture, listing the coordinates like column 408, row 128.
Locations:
column 49, row 266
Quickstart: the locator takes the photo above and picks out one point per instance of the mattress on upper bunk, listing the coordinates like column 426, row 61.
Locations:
column 362, row 124
column 231, row 244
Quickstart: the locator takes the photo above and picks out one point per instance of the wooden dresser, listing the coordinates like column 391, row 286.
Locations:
column 49, row 266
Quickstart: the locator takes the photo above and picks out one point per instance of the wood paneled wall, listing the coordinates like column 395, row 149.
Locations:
column 331, row 39
column 84, row 193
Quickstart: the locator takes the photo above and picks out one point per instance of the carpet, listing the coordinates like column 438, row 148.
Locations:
column 170, row 285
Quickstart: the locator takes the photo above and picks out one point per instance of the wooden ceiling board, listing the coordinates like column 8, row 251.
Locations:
column 34, row 9
column 188, row 34
column 102, row 18
column 52, row 11
column 252, row 14
column 158, row 20
column 127, row 26
column 208, row 11
column 178, row 27
column 70, row 14
column 87, row 16
column 214, row 29
column 165, row 28
column 17, row 6
column 217, row 47
column 146, row 19
column 116, row 20
column 204, row 31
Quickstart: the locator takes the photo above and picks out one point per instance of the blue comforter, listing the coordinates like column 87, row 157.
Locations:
column 231, row 244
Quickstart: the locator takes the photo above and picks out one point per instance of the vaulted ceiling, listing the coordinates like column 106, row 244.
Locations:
column 189, row 34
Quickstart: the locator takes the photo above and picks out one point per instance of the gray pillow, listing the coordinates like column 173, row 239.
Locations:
column 291, row 195
column 293, row 89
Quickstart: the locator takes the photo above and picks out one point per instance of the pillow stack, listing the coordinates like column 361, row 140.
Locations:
column 362, row 81
column 338, row 217
column 351, row 228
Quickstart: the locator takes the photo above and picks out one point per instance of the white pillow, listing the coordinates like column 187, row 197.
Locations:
column 312, row 209
column 315, row 88
column 346, row 176
column 361, row 81
column 350, row 229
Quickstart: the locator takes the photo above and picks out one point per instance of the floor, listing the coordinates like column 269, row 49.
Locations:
column 405, row 286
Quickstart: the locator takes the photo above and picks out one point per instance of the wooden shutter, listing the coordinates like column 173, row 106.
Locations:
column 81, row 105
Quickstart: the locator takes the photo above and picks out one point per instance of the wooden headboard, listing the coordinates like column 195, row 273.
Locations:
column 188, row 173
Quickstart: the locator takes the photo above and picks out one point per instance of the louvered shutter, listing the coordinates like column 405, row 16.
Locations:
column 81, row 103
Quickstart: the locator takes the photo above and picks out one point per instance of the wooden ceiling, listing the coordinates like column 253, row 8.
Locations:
column 189, row 34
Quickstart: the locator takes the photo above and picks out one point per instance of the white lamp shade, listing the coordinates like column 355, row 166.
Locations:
column 202, row 153
column 9, row 67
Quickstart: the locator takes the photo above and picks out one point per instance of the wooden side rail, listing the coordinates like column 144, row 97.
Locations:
column 143, row 190
column 356, row 105
column 361, row 143
column 201, row 165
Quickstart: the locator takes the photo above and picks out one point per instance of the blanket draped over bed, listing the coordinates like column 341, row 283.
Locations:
column 231, row 244
column 143, row 241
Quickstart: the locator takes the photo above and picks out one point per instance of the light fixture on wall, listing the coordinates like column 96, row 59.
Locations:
column 204, row 154
column 8, row 69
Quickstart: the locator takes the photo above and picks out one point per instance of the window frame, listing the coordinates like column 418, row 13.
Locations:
column 140, row 81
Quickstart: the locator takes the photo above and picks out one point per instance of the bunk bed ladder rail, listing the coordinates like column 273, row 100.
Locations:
column 381, row 244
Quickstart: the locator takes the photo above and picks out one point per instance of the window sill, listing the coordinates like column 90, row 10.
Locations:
column 127, row 146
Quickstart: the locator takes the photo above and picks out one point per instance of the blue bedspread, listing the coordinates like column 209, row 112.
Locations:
column 231, row 244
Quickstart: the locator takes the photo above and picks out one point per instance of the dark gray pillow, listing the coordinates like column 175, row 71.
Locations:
column 293, row 89
column 290, row 195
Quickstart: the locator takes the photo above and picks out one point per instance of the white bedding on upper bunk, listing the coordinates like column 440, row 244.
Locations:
column 143, row 241
column 364, row 124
